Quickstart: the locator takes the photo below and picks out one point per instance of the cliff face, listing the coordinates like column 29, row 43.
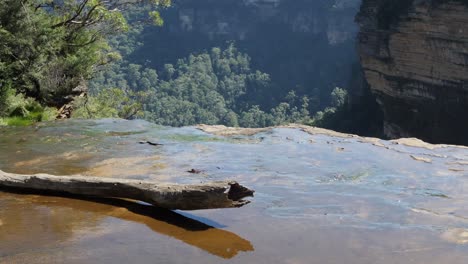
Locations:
column 237, row 19
column 417, row 66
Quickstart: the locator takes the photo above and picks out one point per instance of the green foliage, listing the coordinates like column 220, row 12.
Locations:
column 216, row 87
column 17, row 110
column 363, row 118
column 156, row 17
column 295, row 55
column 255, row 117
column 50, row 47
column 330, row 115
column 338, row 97
column 110, row 102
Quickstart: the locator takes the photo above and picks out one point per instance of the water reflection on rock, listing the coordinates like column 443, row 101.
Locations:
column 32, row 222
column 456, row 235
column 321, row 197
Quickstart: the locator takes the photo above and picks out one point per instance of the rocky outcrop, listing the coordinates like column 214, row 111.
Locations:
column 415, row 59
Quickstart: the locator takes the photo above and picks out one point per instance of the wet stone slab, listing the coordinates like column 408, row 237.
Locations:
column 320, row 197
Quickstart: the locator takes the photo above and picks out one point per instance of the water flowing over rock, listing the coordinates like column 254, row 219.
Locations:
column 333, row 197
column 415, row 59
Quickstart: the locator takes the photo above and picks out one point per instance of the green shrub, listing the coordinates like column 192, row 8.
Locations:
column 16, row 110
column 110, row 102
column 19, row 121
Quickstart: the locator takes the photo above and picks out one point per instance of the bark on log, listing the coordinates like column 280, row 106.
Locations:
column 211, row 195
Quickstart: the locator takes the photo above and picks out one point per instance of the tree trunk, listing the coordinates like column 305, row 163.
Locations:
column 211, row 195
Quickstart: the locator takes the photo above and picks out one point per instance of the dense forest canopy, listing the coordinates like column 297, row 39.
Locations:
column 50, row 48
column 109, row 59
column 203, row 71
column 305, row 46
column 216, row 87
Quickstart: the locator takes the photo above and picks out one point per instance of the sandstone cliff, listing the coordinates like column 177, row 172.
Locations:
column 415, row 59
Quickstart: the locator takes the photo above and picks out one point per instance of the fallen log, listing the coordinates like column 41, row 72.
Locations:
column 211, row 195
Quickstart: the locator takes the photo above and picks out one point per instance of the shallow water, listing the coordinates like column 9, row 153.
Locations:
column 319, row 199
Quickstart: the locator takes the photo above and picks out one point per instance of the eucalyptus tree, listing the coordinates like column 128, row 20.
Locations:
column 48, row 48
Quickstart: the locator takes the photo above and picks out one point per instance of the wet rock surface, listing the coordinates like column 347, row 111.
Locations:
column 326, row 197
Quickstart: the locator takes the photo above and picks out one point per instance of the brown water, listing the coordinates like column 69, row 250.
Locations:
column 319, row 199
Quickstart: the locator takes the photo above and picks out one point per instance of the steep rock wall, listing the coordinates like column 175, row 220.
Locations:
column 237, row 19
column 416, row 63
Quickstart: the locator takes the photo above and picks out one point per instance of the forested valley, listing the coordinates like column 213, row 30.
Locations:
column 182, row 63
